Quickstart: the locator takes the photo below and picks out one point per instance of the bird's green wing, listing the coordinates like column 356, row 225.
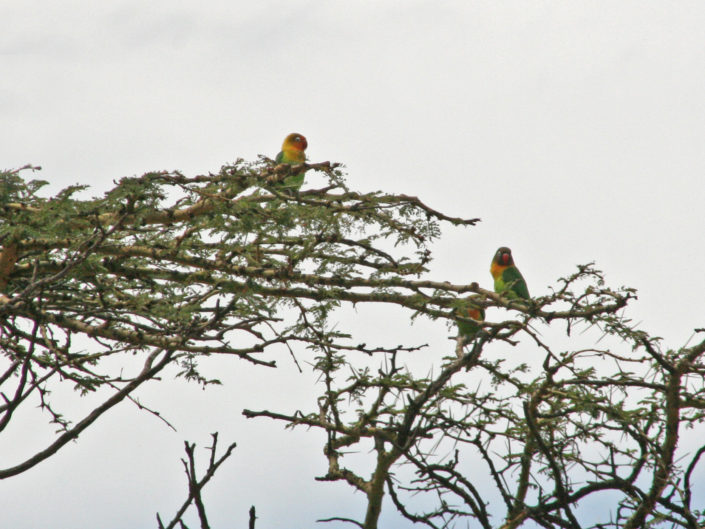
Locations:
column 294, row 181
column 514, row 281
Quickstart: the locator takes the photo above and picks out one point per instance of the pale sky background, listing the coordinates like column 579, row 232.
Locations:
column 575, row 130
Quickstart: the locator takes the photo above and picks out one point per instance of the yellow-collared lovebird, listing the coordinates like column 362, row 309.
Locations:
column 507, row 278
column 292, row 153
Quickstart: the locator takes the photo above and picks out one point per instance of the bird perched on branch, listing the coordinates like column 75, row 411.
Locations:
column 469, row 329
column 507, row 277
column 293, row 153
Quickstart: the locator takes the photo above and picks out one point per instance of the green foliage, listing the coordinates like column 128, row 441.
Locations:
column 166, row 270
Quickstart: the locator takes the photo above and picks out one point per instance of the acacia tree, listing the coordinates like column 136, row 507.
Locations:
column 169, row 269
column 526, row 445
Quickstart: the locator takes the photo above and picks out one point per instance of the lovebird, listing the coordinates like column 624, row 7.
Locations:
column 507, row 278
column 469, row 329
column 292, row 153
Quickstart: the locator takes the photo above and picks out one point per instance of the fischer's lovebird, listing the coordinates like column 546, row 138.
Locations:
column 292, row 153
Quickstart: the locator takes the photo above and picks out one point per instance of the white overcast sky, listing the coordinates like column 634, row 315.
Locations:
column 575, row 130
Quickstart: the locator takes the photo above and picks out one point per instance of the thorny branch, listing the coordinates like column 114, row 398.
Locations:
column 174, row 269
column 195, row 485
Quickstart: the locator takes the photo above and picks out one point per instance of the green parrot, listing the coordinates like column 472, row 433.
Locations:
column 507, row 278
column 292, row 153
column 469, row 329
